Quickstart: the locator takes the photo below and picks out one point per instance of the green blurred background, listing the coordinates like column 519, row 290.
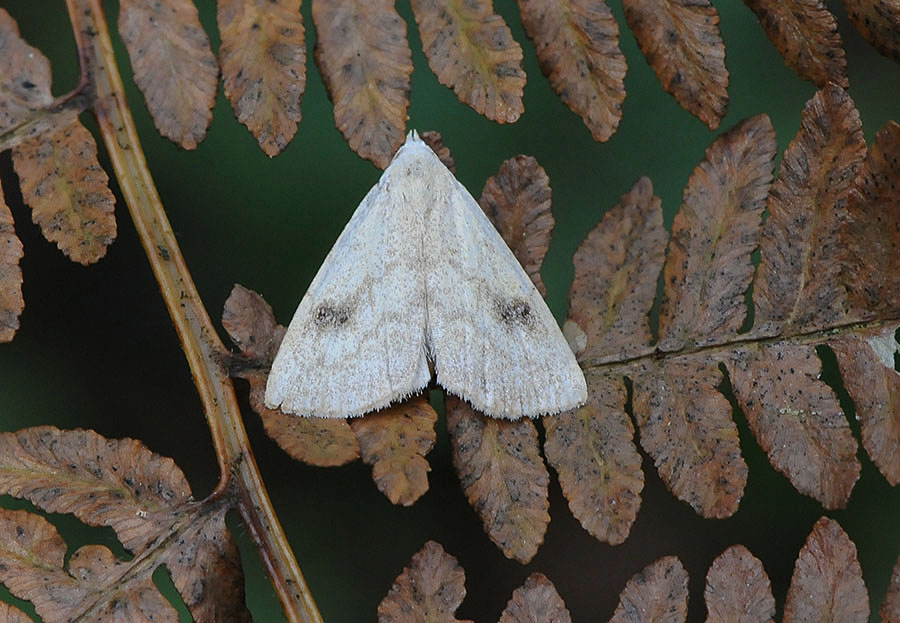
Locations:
column 97, row 349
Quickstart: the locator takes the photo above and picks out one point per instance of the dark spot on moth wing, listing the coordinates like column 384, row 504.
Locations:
column 328, row 316
column 515, row 312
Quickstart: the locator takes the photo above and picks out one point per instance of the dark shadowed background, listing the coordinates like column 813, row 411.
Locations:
column 97, row 349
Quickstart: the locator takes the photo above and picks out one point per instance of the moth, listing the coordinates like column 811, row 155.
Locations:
column 420, row 283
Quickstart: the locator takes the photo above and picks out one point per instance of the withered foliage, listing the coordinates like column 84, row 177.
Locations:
column 536, row 601
column 173, row 65
column 827, row 584
column 502, row 475
column 11, row 614
column 827, row 587
column 471, row 50
column 366, row 63
column 577, row 44
column 738, row 589
column 805, row 33
column 24, row 75
column 796, row 419
column 68, row 191
column 365, row 60
column 879, row 23
column 798, row 286
column 800, row 297
column 517, row 200
column 658, row 594
column 11, row 301
column 147, row 502
column 682, row 43
column 599, row 468
column 623, row 255
column 394, row 442
column 60, row 176
column 263, row 60
column 55, row 158
column 436, row 142
column 686, row 427
column 890, row 608
column 429, row 590
column 708, row 266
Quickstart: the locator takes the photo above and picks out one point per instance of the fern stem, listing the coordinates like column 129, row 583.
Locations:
column 202, row 346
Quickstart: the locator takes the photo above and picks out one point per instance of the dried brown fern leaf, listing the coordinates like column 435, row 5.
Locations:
column 827, row 584
column 502, row 475
column 394, row 441
column 832, row 218
column 536, row 601
column 430, row 589
column 658, row 594
column 798, row 284
column 145, row 499
column 11, row 614
column 24, row 75
column 60, row 176
column 517, row 200
column 870, row 239
column 435, row 141
column 592, row 449
column 577, row 45
column 366, row 64
column 685, row 422
column 173, row 65
column 686, row 427
column 805, row 33
column 879, row 22
column 616, row 269
column 708, row 267
column 682, row 43
column 738, row 589
column 890, row 608
column 871, row 232
column 866, row 361
column 68, row 191
column 797, row 419
column 11, row 300
column 263, row 59
column 471, row 50
column 250, row 323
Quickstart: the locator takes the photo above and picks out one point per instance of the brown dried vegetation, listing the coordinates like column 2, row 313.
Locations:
column 681, row 41
column 263, row 60
column 11, row 301
column 471, row 50
column 173, row 65
column 366, row 64
column 394, row 442
column 879, row 22
column 806, row 34
column 577, row 44
column 145, row 499
column 827, row 587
